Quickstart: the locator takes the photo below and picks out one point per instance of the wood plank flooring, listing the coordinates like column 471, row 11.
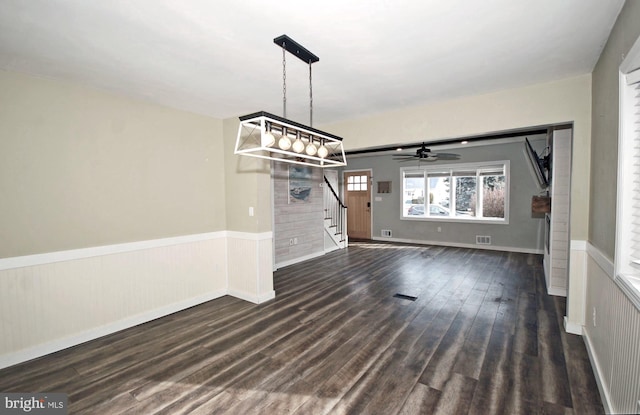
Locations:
column 482, row 337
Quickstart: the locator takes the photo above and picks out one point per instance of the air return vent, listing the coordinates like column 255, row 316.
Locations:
column 483, row 240
column 385, row 233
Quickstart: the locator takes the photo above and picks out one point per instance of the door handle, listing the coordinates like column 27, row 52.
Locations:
column 368, row 204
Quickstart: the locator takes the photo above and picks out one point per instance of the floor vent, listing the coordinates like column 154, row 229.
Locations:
column 385, row 233
column 483, row 240
column 406, row 297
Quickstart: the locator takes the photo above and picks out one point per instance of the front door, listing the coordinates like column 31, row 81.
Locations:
column 358, row 201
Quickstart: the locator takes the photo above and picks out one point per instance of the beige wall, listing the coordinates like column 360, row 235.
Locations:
column 248, row 184
column 81, row 167
column 612, row 323
column 604, row 144
column 568, row 100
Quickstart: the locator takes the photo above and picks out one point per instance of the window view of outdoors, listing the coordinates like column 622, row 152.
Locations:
column 413, row 192
column 439, row 198
column 474, row 193
column 357, row 183
column 493, row 196
column 466, row 190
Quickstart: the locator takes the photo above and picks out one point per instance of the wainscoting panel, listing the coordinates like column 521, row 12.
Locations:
column 251, row 276
column 611, row 333
column 47, row 307
column 625, row 379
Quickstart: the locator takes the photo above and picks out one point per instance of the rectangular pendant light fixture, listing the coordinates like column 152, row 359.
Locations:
column 268, row 136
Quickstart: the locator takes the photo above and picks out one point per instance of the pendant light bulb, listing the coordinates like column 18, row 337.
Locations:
column 268, row 139
column 311, row 149
column 285, row 142
column 298, row 145
column 323, row 152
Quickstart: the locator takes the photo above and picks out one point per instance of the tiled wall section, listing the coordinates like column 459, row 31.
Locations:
column 301, row 221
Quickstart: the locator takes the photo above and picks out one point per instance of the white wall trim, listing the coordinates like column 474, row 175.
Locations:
column 604, row 393
column 578, row 245
column 333, row 248
column 602, row 260
column 299, row 259
column 248, row 236
column 461, row 245
column 558, row 292
column 74, row 254
column 572, row 328
column 97, row 332
column 252, row 298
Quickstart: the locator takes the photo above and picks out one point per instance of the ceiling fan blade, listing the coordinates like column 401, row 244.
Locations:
column 425, row 154
column 446, row 156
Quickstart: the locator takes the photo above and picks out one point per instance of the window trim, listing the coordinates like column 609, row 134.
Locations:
column 626, row 276
column 460, row 166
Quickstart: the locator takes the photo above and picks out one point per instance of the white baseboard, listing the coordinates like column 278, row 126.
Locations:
column 572, row 328
column 558, row 292
column 256, row 299
column 461, row 245
column 333, row 248
column 604, row 393
column 92, row 334
column 299, row 259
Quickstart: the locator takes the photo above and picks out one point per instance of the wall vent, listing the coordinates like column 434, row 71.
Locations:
column 483, row 240
column 385, row 233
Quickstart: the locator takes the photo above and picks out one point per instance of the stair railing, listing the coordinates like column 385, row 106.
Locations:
column 335, row 211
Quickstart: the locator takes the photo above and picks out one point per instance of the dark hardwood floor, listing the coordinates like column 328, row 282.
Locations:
column 482, row 337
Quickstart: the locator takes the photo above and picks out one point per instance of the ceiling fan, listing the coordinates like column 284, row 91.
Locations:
column 424, row 154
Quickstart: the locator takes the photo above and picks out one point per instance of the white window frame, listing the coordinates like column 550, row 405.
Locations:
column 627, row 260
column 458, row 167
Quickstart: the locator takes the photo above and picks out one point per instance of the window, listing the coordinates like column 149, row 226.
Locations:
column 627, row 258
column 465, row 192
column 357, row 183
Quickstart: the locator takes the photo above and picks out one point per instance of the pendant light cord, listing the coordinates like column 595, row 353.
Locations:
column 310, row 97
column 284, row 81
column 284, row 86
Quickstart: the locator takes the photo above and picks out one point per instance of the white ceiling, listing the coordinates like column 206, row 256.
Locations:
column 218, row 57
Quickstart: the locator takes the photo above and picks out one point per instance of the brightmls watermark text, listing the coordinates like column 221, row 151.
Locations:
column 33, row 403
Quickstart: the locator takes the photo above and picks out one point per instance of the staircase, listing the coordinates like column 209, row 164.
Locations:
column 335, row 219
